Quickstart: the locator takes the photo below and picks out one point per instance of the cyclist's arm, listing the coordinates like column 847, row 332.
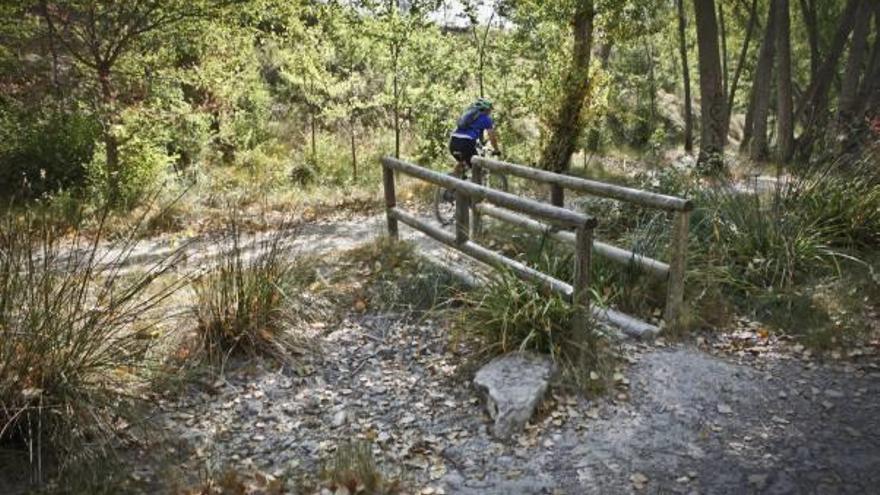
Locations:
column 493, row 138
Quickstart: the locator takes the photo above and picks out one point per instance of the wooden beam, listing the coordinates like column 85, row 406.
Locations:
column 602, row 189
column 627, row 324
column 678, row 249
column 607, row 251
column 485, row 255
column 552, row 214
column 390, row 200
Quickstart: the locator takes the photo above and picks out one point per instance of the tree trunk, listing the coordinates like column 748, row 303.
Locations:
column 568, row 124
column 869, row 92
column 396, row 90
column 813, row 108
column 594, row 138
column 753, row 17
column 713, row 114
column 808, row 9
column 857, row 51
column 725, row 81
column 686, row 79
column 758, row 149
column 354, row 160
column 652, row 80
column 313, row 125
column 111, row 144
column 784, row 111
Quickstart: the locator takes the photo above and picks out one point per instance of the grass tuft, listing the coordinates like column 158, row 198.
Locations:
column 507, row 314
column 77, row 342
column 354, row 470
column 245, row 304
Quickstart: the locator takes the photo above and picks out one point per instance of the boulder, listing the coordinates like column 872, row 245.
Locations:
column 513, row 385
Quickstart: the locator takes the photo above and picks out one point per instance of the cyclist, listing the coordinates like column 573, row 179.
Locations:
column 469, row 129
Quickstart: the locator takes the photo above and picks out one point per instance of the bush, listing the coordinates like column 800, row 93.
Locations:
column 76, row 336
column 46, row 151
column 243, row 304
column 143, row 160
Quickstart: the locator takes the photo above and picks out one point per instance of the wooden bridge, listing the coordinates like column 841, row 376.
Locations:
column 473, row 201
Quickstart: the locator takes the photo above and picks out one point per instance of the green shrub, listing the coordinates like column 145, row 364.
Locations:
column 76, row 342
column 45, row 152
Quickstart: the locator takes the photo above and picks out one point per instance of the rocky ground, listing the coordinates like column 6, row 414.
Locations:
column 742, row 412
column 683, row 418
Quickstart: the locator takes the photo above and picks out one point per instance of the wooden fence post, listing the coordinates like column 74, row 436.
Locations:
column 476, row 218
column 580, row 298
column 462, row 216
column 390, row 200
column 677, row 266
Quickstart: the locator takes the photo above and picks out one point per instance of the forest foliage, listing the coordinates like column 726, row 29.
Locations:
column 110, row 99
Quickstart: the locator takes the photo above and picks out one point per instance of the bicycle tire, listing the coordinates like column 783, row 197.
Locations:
column 496, row 181
column 444, row 207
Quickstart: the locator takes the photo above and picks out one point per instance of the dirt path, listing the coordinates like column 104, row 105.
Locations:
column 683, row 420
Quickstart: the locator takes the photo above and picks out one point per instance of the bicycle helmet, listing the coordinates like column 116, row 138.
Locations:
column 483, row 104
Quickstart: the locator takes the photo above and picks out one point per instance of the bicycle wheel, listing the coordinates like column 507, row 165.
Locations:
column 496, row 181
column 444, row 205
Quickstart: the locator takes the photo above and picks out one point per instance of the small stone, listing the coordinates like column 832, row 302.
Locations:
column 340, row 418
column 639, row 481
column 724, row 409
column 758, row 480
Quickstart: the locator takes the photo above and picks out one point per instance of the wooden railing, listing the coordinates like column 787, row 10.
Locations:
column 673, row 272
column 543, row 215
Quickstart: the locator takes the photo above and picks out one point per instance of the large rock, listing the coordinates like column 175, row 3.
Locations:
column 514, row 385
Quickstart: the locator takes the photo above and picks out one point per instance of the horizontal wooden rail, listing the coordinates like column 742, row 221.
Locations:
column 552, row 214
column 613, row 253
column 485, row 255
column 627, row 324
column 636, row 196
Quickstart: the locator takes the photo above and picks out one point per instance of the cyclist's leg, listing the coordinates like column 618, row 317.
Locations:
column 463, row 150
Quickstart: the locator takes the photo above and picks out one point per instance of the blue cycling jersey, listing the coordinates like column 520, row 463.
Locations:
column 475, row 129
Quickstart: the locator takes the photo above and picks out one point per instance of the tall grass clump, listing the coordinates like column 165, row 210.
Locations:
column 78, row 340
column 507, row 314
column 243, row 304
column 823, row 216
column 354, row 470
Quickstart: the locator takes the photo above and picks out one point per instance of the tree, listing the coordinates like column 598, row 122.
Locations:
column 869, row 92
column 813, row 108
column 568, row 124
column 753, row 20
column 713, row 115
column 849, row 89
column 811, row 22
column 686, row 79
column 755, row 135
column 784, row 111
column 98, row 35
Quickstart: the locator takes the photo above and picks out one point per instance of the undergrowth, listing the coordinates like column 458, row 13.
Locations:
column 78, row 342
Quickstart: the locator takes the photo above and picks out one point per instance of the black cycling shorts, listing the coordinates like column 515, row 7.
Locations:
column 463, row 149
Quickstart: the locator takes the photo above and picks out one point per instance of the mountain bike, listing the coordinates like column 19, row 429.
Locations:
column 444, row 199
